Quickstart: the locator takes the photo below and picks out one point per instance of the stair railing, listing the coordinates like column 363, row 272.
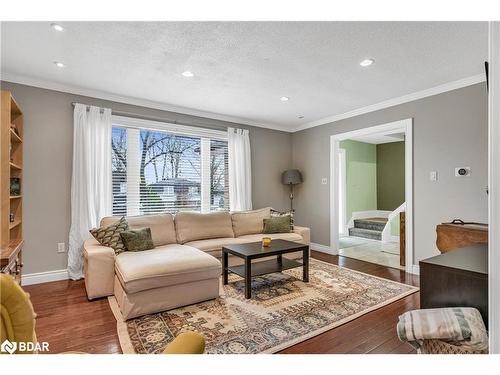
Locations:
column 386, row 233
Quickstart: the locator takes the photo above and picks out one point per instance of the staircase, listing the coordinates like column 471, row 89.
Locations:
column 368, row 228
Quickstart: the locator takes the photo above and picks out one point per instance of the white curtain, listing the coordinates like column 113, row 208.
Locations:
column 240, row 170
column 91, row 179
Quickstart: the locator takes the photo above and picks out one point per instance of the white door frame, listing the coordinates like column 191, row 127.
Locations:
column 494, row 188
column 405, row 126
column 343, row 180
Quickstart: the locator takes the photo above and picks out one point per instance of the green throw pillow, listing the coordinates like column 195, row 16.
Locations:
column 110, row 235
column 279, row 224
column 137, row 239
column 276, row 213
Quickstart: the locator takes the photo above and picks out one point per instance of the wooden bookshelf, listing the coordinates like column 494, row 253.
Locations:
column 11, row 203
column 15, row 166
column 14, row 138
column 14, row 224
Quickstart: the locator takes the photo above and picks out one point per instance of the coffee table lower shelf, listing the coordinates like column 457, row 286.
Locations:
column 266, row 266
column 252, row 254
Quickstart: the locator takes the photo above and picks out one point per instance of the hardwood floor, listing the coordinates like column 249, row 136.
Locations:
column 69, row 322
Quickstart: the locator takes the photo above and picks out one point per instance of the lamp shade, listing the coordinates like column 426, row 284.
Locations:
column 291, row 176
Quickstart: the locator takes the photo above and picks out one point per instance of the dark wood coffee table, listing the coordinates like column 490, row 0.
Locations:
column 255, row 250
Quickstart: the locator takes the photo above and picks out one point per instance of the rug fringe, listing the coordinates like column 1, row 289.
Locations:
column 121, row 327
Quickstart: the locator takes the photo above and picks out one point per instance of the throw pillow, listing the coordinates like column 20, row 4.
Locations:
column 137, row 239
column 110, row 235
column 276, row 213
column 277, row 224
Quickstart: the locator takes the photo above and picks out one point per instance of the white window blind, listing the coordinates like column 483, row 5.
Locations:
column 160, row 167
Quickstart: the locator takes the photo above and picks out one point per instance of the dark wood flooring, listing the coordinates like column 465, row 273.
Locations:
column 69, row 322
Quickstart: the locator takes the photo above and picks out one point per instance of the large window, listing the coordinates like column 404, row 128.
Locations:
column 159, row 167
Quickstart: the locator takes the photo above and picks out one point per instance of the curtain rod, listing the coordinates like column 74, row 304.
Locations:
column 153, row 118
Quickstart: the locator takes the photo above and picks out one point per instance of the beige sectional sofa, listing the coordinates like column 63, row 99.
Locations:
column 184, row 266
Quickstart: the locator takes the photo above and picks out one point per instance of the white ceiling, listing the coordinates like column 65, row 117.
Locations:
column 243, row 68
column 381, row 137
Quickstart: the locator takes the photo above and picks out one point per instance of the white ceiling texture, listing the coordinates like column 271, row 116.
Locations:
column 241, row 69
column 381, row 137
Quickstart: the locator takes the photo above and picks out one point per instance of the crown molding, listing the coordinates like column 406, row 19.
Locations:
column 76, row 90
column 396, row 101
column 24, row 80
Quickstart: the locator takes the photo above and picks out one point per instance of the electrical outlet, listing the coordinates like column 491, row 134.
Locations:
column 61, row 248
column 433, row 176
column 324, row 181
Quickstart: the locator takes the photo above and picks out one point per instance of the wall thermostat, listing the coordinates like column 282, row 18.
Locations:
column 462, row 171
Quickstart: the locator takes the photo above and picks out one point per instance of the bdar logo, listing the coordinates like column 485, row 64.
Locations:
column 8, row 347
column 22, row 347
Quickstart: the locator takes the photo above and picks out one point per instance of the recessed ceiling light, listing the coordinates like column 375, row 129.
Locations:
column 57, row 27
column 366, row 62
column 301, row 117
column 187, row 73
column 59, row 64
column 284, row 98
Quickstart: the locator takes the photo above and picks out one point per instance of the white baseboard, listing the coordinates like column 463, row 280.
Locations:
column 323, row 248
column 416, row 269
column 394, row 239
column 44, row 277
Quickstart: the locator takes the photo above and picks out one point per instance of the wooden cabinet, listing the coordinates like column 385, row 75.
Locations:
column 457, row 278
column 11, row 176
column 457, row 234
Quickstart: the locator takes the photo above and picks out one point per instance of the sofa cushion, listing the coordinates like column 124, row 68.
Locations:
column 164, row 266
column 162, row 226
column 214, row 246
column 275, row 236
column 192, row 226
column 249, row 222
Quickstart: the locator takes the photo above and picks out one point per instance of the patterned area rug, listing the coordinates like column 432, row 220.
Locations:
column 283, row 311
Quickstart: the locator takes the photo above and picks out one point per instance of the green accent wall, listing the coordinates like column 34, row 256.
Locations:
column 375, row 177
column 361, row 176
column 390, row 175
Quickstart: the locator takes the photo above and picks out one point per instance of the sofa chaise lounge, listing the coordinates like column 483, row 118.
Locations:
column 184, row 266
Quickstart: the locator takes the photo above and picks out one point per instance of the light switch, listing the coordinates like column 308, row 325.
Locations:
column 433, row 175
column 324, row 181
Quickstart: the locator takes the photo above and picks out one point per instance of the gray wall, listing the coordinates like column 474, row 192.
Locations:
column 449, row 130
column 48, row 139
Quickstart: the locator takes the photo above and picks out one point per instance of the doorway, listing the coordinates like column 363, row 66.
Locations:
column 371, row 219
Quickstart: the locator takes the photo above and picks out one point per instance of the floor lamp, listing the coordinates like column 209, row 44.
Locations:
column 291, row 177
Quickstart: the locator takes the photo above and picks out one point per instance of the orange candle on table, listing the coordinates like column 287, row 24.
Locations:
column 266, row 241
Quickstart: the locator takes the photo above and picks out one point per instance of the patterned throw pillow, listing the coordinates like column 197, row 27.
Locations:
column 275, row 213
column 110, row 235
column 277, row 224
column 137, row 239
